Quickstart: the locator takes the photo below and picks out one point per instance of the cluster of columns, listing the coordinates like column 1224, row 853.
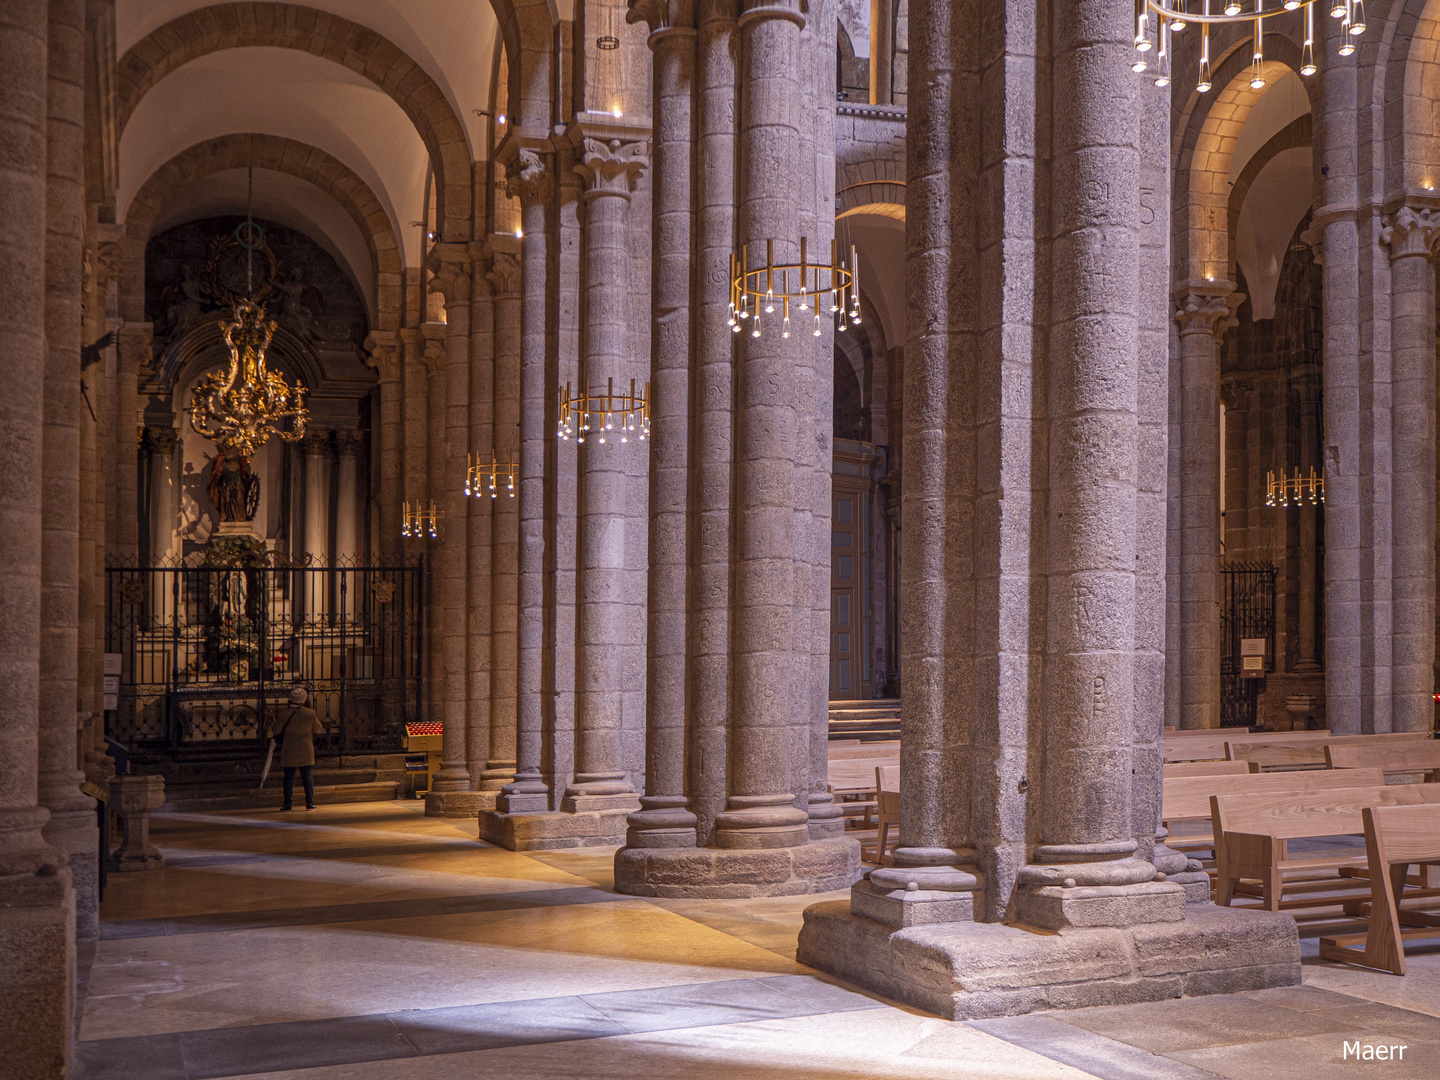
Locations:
column 57, row 265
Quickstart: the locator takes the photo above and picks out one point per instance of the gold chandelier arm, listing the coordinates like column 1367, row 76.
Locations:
column 1166, row 9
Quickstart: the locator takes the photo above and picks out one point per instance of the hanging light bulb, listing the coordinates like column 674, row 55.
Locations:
column 1203, row 85
column 1176, row 25
column 1257, row 76
column 1232, row 7
column 1357, row 18
column 1339, row 9
column 1307, row 51
column 1162, row 73
column 785, row 327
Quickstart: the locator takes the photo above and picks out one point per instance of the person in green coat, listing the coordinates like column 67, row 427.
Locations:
column 295, row 731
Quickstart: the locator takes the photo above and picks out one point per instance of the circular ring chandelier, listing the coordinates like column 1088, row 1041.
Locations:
column 799, row 282
column 1157, row 20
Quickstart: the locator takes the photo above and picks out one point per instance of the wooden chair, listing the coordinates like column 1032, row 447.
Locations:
column 1209, row 768
column 887, row 814
column 1396, row 837
column 1387, row 756
column 852, row 782
column 1253, row 831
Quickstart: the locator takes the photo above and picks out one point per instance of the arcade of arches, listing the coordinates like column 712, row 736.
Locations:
column 1014, row 488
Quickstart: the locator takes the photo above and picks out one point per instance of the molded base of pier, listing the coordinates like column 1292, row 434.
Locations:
column 549, row 830
column 457, row 804
column 736, row 873
column 968, row 971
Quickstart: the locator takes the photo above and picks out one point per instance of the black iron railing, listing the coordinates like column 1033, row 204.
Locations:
column 209, row 647
column 1247, row 613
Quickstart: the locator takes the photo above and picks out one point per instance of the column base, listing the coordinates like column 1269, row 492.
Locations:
column 738, row 873
column 969, row 971
column 550, row 830
column 37, row 978
column 454, row 804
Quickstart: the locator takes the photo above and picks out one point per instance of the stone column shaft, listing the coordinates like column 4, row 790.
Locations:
column 450, row 441
column 760, row 811
column 505, row 522
column 532, row 182
column 665, row 820
column 1308, row 656
column 610, row 615
column 386, row 358
column 1411, row 239
column 434, row 437
column 480, row 515
column 317, row 517
column 164, row 510
column 1203, row 317
column 72, row 814
column 882, row 51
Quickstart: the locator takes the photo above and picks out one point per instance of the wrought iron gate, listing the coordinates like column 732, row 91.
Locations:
column 1247, row 610
column 208, row 645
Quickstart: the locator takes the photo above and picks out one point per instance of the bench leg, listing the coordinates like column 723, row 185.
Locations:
column 1274, row 889
column 1384, row 945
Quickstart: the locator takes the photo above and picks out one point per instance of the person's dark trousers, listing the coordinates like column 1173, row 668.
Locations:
column 307, row 777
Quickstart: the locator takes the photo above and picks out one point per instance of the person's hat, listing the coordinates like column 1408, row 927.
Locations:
column 298, row 695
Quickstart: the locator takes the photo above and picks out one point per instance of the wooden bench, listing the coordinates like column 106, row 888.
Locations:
column 1187, row 798
column 1396, row 837
column 1209, row 745
column 1209, row 768
column 1274, row 755
column 1253, row 832
column 852, row 782
column 1387, row 757
column 888, row 749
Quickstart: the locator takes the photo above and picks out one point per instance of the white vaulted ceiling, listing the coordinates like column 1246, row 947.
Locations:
column 315, row 101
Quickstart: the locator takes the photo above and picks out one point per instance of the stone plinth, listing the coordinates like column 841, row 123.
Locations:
column 135, row 798
column 737, row 873
column 551, row 829
column 454, row 804
column 968, row 970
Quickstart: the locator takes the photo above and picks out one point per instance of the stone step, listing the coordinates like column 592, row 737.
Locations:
column 271, row 797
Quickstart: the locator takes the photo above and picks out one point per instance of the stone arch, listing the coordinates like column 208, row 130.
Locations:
column 1412, row 88
column 282, row 155
column 1299, row 132
column 1202, row 238
column 527, row 29
column 292, row 26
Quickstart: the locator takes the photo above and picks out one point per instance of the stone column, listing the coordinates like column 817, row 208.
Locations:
column 1411, row 238
column 164, row 510
column 133, row 350
column 1308, row 385
column 665, row 820
column 433, row 352
column 316, row 452
column 610, row 613
column 37, row 900
column 505, row 521
column 385, row 358
column 451, row 791
column 479, row 515
column 1203, row 316
column 882, row 51
column 72, row 826
column 532, row 182
column 347, row 522
column 1040, row 612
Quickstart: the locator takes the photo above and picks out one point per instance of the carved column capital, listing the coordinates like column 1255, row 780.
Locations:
column 449, row 265
column 1411, row 234
column 347, row 443
column 664, row 17
column 1315, row 237
column 611, row 167
column 527, row 177
column 504, row 274
column 1206, row 312
column 316, row 443
column 384, row 358
column 1235, row 393
column 162, row 440
column 433, row 350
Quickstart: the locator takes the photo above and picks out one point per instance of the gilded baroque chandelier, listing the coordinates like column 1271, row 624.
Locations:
column 240, row 407
column 592, row 411
column 763, row 287
column 480, row 477
column 1156, row 21
column 1294, row 490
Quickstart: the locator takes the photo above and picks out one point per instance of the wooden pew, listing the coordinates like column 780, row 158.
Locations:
column 887, row 749
column 852, row 782
column 1292, row 755
column 1209, row 768
column 1187, row 798
column 887, row 814
column 1254, row 829
column 1210, row 745
column 1387, row 756
column 1396, row 837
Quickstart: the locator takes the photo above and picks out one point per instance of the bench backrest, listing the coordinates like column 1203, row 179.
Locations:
column 1210, row 744
column 887, row 778
column 1209, row 768
column 1269, row 755
column 857, row 774
column 1293, row 815
column 865, row 750
column 1403, row 833
column 1186, row 797
column 1389, row 756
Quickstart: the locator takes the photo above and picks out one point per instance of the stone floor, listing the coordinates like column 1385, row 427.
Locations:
column 367, row 941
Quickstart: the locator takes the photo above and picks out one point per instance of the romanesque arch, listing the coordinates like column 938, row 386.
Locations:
column 266, row 152
column 362, row 50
